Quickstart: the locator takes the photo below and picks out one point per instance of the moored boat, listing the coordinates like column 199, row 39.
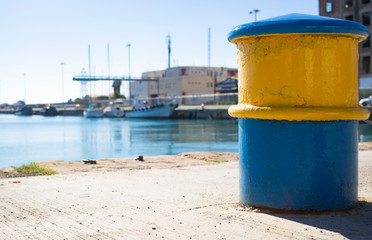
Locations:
column 93, row 111
column 24, row 111
column 113, row 111
column 49, row 111
column 366, row 102
column 157, row 111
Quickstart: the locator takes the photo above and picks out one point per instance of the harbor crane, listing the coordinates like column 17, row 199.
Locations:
column 116, row 81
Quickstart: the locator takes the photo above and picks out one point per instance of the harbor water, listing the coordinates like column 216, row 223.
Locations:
column 37, row 138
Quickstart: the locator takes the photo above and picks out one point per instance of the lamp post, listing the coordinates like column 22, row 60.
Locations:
column 128, row 46
column 63, row 85
column 108, row 68
column 254, row 11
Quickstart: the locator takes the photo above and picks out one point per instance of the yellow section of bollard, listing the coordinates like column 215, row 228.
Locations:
column 298, row 114
column 299, row 76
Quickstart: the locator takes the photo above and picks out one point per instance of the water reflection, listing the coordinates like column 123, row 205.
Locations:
column 108, row 138
column 37, row 138
column 175, row 136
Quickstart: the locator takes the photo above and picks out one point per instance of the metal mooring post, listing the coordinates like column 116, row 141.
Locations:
column 298, row 112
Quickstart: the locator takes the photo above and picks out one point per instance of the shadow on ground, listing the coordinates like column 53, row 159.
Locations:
column 355, row 223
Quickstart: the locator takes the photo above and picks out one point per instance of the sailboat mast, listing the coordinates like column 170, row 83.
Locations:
column 90, row 70
column 89, row 60
column 108, row 59
column 209, row 47
column 24, row 87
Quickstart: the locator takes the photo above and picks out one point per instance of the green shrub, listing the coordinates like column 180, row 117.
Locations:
column 32, row 169
column 216, row 161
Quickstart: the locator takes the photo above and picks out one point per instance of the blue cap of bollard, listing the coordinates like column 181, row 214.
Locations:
column 298, row 23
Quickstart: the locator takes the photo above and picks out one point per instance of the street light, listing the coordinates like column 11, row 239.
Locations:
column 63, row 85
column 255, row 11
column 128, row 46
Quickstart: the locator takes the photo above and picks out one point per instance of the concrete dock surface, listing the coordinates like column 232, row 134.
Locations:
column 191, row 202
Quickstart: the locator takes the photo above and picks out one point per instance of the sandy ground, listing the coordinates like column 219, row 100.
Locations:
column 166, row 197
column 165, row 161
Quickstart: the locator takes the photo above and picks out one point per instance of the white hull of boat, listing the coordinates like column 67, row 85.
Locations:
column 113, row 111
column 93, row 113
column 162, row 111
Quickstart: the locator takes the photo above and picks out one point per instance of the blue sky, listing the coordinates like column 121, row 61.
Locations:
column 37, row 35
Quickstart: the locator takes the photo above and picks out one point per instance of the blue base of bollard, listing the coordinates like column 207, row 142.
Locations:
column 300, row 166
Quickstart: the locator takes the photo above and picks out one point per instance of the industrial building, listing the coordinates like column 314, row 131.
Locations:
column 180, row 81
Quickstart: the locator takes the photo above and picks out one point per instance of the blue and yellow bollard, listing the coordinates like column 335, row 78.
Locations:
column 298, row 112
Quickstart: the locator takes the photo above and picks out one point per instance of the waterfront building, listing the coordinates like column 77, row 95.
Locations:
column 358, row 11
column 229, row 85
column 180, row 81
